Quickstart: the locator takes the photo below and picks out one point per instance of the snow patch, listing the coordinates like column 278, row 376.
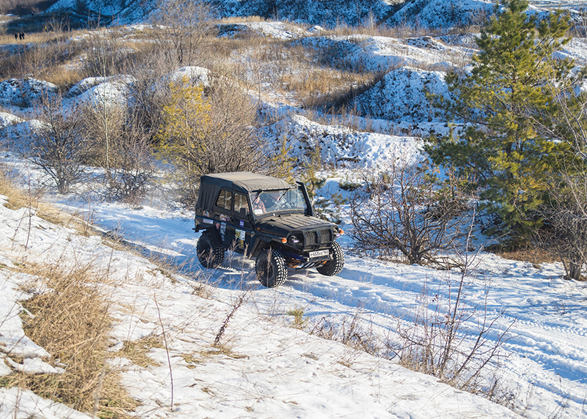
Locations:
column 25, row 92
column 8, row 119
column 401, row 95
column 90, row 82
column 192, row 73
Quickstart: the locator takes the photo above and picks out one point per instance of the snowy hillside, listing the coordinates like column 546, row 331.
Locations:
column 327, row 13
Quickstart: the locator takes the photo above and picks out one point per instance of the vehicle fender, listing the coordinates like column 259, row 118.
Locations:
column 215, row 234
column 260, row 242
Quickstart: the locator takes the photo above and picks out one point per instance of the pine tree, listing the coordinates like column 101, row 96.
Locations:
column 499, row 151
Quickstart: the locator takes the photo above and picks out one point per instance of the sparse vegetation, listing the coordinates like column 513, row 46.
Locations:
column 405, row 213
column 71, row 321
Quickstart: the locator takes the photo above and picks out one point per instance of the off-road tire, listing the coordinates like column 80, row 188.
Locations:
column 335, row 265
column 271, row 268
column 210, row 251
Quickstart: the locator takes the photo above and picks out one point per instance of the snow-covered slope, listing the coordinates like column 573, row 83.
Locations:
column 326, row 12
column 266, row 368
column 442, row 13
column 25, row 92
column 401, row 95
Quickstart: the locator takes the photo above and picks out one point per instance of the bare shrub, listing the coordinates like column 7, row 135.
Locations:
column 105, row 52
column 133, row 167
column 565, row 217
column 403, row 212
column 452, row 338
column 209, row 132
column 355, row 332
column 57, row 147
column 183, row 26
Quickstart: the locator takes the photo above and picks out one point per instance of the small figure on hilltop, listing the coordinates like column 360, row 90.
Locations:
column 21, row 36
column 16, row 36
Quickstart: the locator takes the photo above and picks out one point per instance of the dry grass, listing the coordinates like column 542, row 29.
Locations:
column 31, row 38
column 53, row 60
column 71, row 322
column 532, row 255
column 137, row 350
column 63, row 76
column 17, row 199
column 325, row 86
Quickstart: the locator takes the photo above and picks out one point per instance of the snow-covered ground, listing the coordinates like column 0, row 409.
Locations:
column 273, row 369
column 269, row 368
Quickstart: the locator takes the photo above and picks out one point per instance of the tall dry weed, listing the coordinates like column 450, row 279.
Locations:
column 71, row 321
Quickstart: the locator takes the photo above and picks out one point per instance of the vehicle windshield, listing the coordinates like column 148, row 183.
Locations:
column 278, row 200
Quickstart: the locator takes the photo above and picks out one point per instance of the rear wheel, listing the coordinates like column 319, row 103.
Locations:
column 336, row 263
column 271, row 268
column 210, row 251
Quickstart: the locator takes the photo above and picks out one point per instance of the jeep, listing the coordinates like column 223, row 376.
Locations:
column 265, row 218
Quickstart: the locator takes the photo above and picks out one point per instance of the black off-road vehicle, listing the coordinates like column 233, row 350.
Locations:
column 264, row 218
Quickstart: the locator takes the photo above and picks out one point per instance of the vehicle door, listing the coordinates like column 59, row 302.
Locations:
column 241, row 223
column 223, row 217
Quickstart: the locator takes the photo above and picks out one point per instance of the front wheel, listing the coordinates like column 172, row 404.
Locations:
column 271, row 268
column 336, row 263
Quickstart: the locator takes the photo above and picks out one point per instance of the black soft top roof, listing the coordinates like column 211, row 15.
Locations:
column 243, row 182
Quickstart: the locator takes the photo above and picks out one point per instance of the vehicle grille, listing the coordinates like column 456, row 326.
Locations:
column 313, row 238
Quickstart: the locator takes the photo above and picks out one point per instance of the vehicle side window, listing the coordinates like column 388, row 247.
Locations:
column 241, row 206
column 224, row 200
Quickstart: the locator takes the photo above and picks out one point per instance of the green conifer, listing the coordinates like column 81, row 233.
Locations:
column 499, row 151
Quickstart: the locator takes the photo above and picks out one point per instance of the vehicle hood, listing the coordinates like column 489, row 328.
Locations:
column 285, row 224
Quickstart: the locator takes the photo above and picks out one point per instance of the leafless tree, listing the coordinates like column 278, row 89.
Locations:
column 565, row 216
column 133, row 167
column 183, row 26
column 565, row 209
column 401, row 211
column 121, row 145
column 226, row 141
column 104, row 121
column 58, row 146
